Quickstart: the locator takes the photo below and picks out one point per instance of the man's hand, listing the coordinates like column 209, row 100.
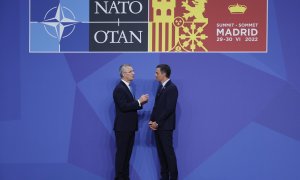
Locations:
column 153, row 125
column 144, row 98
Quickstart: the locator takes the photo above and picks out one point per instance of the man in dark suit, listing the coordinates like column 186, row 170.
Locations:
column 162, row 122
column 126, row 120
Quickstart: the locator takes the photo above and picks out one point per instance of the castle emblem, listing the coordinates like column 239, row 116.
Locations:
column 178, row 28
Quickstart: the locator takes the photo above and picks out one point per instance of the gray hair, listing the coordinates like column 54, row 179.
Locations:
column 122, row 68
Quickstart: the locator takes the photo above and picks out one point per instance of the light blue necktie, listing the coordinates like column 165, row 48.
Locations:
column 130, row 90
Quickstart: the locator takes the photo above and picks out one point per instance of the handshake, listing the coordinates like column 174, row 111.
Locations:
column 144, row 98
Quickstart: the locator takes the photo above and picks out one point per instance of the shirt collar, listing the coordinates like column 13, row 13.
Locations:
column 127, row 83
column 164, row 83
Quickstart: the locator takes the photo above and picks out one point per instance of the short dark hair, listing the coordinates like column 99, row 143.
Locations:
column 164, row 68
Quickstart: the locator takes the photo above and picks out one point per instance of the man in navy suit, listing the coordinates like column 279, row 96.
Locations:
column 162, row 122
column 126, row 120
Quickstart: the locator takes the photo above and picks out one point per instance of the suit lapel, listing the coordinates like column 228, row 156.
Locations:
column 127, row 89
column 158, row 90
column 161, row 89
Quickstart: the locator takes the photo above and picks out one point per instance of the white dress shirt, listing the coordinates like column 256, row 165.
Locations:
column 128, row 86
column 164, row 83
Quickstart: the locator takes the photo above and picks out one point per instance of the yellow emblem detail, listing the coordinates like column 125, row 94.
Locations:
column 188, row 28
column 195, row 11
column 237, row 9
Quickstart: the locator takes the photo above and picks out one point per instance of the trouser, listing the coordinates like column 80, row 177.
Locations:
column 124, row 143
column 166, row 154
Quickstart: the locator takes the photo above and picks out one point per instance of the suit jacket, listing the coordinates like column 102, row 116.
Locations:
column 126, row 109
column 164, row 110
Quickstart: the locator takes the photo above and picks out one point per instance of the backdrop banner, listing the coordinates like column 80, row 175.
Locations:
column 148, row 26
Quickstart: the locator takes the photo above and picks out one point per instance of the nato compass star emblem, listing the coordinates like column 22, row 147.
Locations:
column 62, row 24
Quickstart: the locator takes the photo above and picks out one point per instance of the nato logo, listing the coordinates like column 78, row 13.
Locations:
column 63, row 19
column 88, row 26
column 58, row 26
